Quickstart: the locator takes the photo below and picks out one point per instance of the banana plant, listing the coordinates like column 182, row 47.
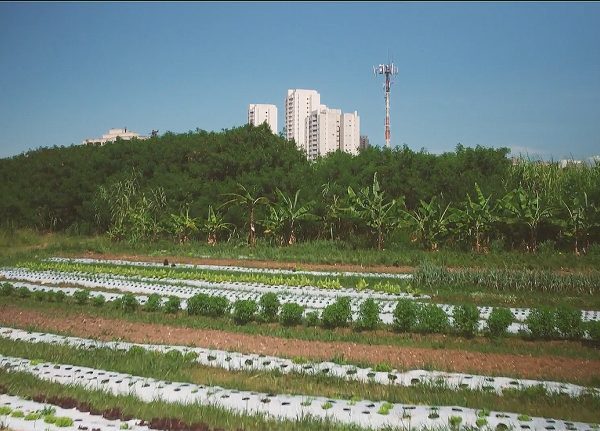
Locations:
column 250, row 203
column 369, row 206
column 291, row 212
column 581, row 218
column 274, row 224
column 476, row 219
column 183, row 226
column 526, row 208
column 213, row 225
column 429, row 223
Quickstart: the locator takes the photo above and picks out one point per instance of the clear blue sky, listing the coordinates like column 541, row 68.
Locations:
column 520, row 75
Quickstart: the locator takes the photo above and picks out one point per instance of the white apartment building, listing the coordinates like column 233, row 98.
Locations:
column 262, row 113
column 299, row 104
column 350, row 133
column 323, row 131
column 329, row 130
column 112, row 136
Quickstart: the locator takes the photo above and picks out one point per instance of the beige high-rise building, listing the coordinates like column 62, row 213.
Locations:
column 299, row 104
column 329, row 130
column 350, row 133
column 263, row 113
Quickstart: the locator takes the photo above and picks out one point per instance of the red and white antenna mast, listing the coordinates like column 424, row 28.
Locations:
column 388, row 70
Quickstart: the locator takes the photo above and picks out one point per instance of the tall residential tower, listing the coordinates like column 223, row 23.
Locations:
column 299, row 104
column 258, row 114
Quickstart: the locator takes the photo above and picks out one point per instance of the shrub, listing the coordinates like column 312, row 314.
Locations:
column 39, row 296
column 499, row 321
column 337, row 314
column 311, row 318
column 541, row 323
column 205, row 305
column 59, row 296
column 593, row 328
column 244, row 311
column 173, row 304
column 368, row 315
column 269, row 307
column 23, row 292
column 432, row 319
column 405, row 315
column 291, row 314
column 128, row 302
column 154, row 303
column 569, row 323
column 7, row 289
column 81, row 297
column 466, row 319
column 98, row 301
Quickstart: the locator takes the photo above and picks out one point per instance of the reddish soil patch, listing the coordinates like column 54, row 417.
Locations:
column 250, row 263
column 518, row 365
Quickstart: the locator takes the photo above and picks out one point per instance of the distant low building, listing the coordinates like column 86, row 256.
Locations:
column 569, row 162
column 112, row 136
column 364, row 142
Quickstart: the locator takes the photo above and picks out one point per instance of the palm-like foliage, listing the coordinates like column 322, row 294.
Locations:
column 249, row 202
column 183, row 226
column 369, row 206
column 429, row 222
column 475, row 220
column 290, row 211
column 526, row 208
column 213, row 225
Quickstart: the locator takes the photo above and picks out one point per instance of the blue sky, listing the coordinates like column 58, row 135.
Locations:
column 520, row 75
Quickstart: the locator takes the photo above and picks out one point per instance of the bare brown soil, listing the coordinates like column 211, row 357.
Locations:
column 518, row 365
column 250, row 263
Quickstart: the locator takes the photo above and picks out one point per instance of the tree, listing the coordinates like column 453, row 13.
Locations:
column 249, row 202
column 369, row 206
column 429, row 222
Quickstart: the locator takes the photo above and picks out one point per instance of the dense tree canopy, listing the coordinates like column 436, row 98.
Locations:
column 58, row 188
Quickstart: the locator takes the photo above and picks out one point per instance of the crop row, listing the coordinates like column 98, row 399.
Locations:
column 364, row 412
column 27, row 415
column 407, row 316
column 230, row 268
column 391, row 287
column 381, row 374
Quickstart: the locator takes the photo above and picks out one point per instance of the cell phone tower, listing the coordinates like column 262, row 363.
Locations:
column 388, row 70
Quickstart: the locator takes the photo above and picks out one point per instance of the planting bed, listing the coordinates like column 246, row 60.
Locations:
column 28, row 415
column 363, row 413
column 234, row 268
column 255, row 362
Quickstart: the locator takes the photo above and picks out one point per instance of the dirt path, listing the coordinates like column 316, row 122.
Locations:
column 549, row 368
column 250, row 263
